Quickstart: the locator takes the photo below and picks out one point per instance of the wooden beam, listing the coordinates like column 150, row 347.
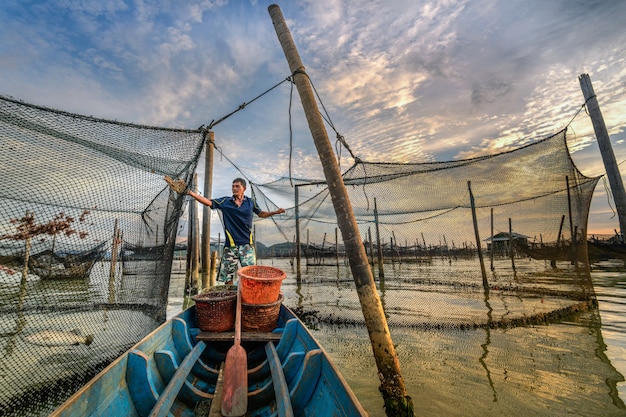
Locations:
column 245, row 336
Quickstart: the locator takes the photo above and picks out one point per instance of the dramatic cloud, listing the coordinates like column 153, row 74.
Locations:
column 401, row 80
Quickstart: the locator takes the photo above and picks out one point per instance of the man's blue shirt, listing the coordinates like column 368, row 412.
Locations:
column 237, row 220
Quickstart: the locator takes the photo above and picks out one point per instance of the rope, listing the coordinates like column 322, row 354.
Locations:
column 340, row 139
column 244, row 104
column 326, row 116
column 584, row 105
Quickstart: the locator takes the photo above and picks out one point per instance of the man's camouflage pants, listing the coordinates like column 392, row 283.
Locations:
column 231, row 258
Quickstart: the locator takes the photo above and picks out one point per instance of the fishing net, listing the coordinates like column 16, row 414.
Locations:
column 431, row 229
column 88, row 231
column 87, row 237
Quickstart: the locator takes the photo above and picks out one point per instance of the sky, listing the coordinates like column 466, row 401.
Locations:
column 401, row 80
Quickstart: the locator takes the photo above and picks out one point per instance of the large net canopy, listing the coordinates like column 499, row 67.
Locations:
column 77, row 193
column 441, row 236
column 421, row 206
column 88, row 232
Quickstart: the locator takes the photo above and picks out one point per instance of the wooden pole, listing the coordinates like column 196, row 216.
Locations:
column 608, row 157
column 477, row 235
column 306, row 253
column 336, row 247
column 381, row 271
column 298, row 251
column 113, row 266
column 492, row 245
column 195, row 254
column 369, row 237
column 571, row 222
column 397, row 401
column 205, row 254
column 511, row 253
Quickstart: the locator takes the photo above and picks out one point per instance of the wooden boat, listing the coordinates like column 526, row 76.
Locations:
column 176, row 369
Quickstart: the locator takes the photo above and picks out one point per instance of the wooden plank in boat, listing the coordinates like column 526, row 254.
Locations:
column 245, row 336
column 281, row 390
column 216, row 404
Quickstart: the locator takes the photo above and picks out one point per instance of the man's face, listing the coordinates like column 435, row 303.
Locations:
column 238, row 189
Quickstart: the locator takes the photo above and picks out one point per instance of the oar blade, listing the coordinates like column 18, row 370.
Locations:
column 235, row 398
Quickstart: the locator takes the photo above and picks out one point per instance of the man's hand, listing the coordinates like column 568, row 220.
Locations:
column 177, row 185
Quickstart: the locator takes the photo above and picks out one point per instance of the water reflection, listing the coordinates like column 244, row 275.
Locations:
column 529, row 345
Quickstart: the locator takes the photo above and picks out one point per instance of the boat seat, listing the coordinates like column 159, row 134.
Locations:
column 281, row 390
column 149, row 395
column 305, row 383
column 183, row 344
column 193, row 390
column 169, row 394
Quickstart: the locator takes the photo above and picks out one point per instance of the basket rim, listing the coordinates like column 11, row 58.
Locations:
column 224, row 295
column 279, row 273
column 280, row 300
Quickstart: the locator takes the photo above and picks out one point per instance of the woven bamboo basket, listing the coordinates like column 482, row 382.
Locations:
column 260, row 317
column 216, row 310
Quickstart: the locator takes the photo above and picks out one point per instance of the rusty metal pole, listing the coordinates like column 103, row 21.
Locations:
column 397, row 402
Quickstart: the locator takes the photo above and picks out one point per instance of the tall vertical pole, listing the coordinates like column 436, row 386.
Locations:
column 195, row 256
column 392, row 386
column 381, row 271
column 477, row 236
column 208, row 280
column 511, row 247
column 608, row 157
column 298, row 247
column 492, row 243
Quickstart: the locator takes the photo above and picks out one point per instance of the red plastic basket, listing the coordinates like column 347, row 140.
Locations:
column 260, row 284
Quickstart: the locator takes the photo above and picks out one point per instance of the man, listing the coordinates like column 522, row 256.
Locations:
column 237, row 217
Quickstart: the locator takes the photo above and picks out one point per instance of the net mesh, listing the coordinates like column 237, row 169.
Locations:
column 74, row 192
column 88, row 231
column 530, row 185
column 531, row 207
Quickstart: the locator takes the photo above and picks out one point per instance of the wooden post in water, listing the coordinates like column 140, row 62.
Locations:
column 573, row 251
column 336, row 247
column 492, row 243
column 113, row 265
column 306, row 253
column 477, row 235
column 371, row 244
column 397, row 401
column 511, row 253
column 208, row 279
column 608, row 157
column 298, row 252
column 195, row 253
column 381, row 271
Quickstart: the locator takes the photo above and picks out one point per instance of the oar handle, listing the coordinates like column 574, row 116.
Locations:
column 238, row 317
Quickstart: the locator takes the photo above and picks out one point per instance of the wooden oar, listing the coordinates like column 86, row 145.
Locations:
column 235, row 399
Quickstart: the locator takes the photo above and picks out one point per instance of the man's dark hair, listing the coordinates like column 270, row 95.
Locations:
column 240, row 181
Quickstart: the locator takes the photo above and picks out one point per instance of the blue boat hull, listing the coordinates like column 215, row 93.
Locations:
column 176, row 371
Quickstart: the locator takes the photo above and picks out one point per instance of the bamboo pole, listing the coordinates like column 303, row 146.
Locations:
column 397, row 401
column 511, row 253
column 195, row 254
column 113, row 265
column 298, row 249
column 492, row 245
column 477, row 235
column 336, row 247
column 371, row 244
column 608, row 157
column 205, row 253
column 381, row 271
